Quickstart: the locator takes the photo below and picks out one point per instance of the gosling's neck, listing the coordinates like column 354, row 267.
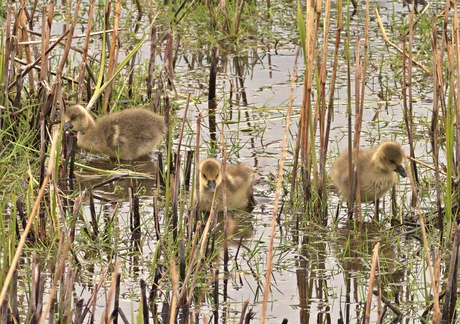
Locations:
column 88, row 126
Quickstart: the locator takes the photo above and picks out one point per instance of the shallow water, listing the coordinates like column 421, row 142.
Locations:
column 320, row 273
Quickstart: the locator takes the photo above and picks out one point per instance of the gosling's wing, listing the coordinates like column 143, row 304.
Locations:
column 239, row 177
column 141, row 124
column 339, row 171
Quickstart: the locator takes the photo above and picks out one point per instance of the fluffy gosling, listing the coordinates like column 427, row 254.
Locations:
column 377, row 170
column 238, row 183
column 126, row 135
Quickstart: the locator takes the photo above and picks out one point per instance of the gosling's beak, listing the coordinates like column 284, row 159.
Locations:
column 212, row 185
column 68, row 125
column 400, row 169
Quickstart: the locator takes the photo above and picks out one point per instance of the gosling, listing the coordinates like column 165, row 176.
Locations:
column 377, row 170
column 238, row 184
column 125, row 135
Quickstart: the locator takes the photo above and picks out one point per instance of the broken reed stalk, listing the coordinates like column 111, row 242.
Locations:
column 351, row 198
column 279, row 182
column 23, row 36
column 200, row 253
column 175, row 291
column 212, row 103
column 183, row 293
column 168, row 64
column 174, row 178
column 94, row 220
column 66, row 294
column 197, row 169
column 407, row 99
column 63, row 250
column 55, row 95
column 437, row 280
column 239, row 5
column 357, row 130
column 435, row 292
column 321, row 207
column 92, row 300
column 330, row 108
column 182, row 265
column 239, row 81
column 37, row 292
column 61, row 255
column 361, row 72
column 370, row 288
column 243, row 311
column 156, row 217
column 389, row 304
column 33, row 214
column 188, row 169
column 150, row 80
column 132, row 66
column 215, row 295
column 306, row 113
column 135, row 219
column 113, row 54
column 385, row 37
column 225, row 214
column 449, row 310
column 295, row 163
column 116, row 303
column 453, row 125
column 83, row 63
column 8, row 52
column 144, row 304
column 47, row 21
column 42, row 150
column 437, row 79
column 456, row 38
column 14, row 294
column 181, row 134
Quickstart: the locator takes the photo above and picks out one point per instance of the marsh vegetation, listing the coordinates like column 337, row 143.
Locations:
column 282, row 86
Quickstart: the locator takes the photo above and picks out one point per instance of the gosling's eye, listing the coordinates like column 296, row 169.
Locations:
column 204, row 176
column 393, row 161
column 73, row 117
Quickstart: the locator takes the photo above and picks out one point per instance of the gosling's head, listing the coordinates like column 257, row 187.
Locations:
column 78, row 118
column 389, row 157
column 210, row 177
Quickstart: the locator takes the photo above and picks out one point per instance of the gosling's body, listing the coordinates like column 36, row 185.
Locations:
column 238, row 184
column 126, row 135
column 377, row 170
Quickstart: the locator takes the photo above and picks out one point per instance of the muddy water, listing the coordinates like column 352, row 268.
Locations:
column 319, row 274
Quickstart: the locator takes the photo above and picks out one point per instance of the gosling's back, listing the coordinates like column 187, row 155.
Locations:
column 377, row 170
column 128, row 134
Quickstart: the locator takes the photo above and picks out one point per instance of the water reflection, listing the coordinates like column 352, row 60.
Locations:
column 138, row 176
column 312, row 281
column 353, row 250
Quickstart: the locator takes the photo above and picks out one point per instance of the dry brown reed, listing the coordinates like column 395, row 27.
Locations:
column 407, row 100
column 385, row 37
column 375, row 265
column 175, row 291
column 113, row 52
column 434, row 287
column 279, row 182
column 316, row 117
column 449, row 308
